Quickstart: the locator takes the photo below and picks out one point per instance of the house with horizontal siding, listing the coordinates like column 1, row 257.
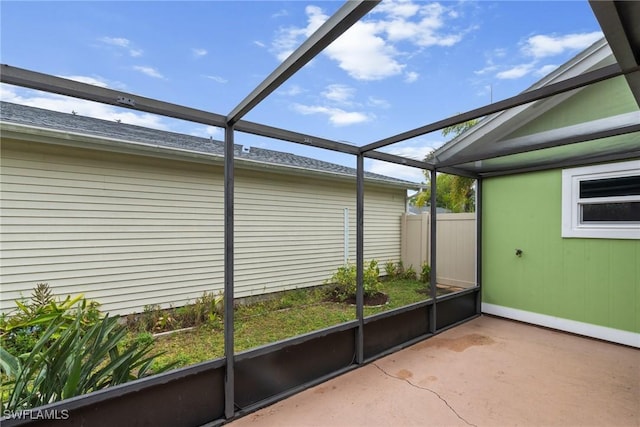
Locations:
column 561, row 246
column 131, row 216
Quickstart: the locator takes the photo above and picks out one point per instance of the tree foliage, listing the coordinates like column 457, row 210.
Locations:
column 453, row 192
column 458, row 129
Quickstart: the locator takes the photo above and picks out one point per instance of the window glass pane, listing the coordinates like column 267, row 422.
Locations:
column 611, row 212
column 610, row 187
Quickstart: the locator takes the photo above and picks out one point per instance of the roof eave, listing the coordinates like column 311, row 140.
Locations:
column 596, row 54
column 23, row 132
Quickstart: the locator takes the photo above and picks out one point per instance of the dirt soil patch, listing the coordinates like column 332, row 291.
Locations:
column 377, row 299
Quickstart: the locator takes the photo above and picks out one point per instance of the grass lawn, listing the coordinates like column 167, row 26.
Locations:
column 293, row 313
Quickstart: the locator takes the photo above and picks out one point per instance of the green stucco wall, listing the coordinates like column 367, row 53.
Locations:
column 595, row 281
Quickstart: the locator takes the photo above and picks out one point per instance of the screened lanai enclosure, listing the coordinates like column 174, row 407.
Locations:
column 220, row 390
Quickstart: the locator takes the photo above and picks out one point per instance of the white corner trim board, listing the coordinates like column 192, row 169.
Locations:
column 594, row 331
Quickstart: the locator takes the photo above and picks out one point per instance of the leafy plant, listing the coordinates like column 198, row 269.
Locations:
column 425, row 273
column 409, row 273
column 344, row 280
column 400, row 269
column 390, row 269
column 41, row 295
column 205, row 310
column 208, row 307
column 21, row 329
column 81, row 360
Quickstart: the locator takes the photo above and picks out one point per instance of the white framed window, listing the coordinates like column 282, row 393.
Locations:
column 602, row 201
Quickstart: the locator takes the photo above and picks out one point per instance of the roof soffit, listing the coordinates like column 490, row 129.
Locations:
column 495, row 127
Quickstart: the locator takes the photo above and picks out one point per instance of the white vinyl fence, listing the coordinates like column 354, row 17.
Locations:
column 456, row 246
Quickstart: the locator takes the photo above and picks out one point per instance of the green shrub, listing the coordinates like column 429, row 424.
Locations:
column 390, row 269
column 400, row 270
column 409, row 273
column 206, row 309
column 80, row 360
column 21, row 329
column 144, row 338
column 425, row 273
column 344, row 280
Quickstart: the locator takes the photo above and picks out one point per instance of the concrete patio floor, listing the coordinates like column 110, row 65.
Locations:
column 486, row 372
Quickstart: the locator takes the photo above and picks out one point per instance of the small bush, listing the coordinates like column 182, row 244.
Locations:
column 400, row 270
column 70, row 359
column 144, row 339
column 207, row 309
column 390, row 269
column 344, row 280
column 409, row 273
column 52, row 350
column 425, row 273
column 21, row 329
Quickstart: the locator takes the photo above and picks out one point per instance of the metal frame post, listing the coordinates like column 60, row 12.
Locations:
column 360, row 258
column 432, row 250
column 229, row 388
column 479, row 244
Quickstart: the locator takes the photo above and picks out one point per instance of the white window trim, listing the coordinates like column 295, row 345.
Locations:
column 571, row 224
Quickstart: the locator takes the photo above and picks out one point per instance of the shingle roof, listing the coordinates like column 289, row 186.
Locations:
column 63, row 122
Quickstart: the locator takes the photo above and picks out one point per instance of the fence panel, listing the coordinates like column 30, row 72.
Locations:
column 456, row 240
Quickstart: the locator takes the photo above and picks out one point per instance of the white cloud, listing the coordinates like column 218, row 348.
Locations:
column 339, row 93
column 280, row 13
column 207, row 132
column 411, row 76
column 499, row 52
column 541, row 46
column 259, row 43
column 123, row 43
column 337, row 116
column 423, row 31
column 416, row 149
column 532, row 52
column 543, row 71
column 398, row 9
column 149, row 71
column 86, row 79
column 216, row 79
column 515, row 72
column 198, row 52
column 488, row 69
column 367, row 50
column 116, row 41
column 378, row 102
column 81, row 107
column 291, row 90
column 363, row 54
column 395, row 171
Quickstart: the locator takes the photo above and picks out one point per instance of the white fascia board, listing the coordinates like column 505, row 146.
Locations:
column 580, row 129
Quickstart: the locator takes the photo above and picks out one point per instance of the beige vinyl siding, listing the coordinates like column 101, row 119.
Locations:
column 290, row 230
column 129, row 231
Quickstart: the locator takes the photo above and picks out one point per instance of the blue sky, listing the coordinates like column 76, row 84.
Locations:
column 406, row 64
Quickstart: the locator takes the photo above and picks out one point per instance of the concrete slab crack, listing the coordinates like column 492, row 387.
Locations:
column 426, row 389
